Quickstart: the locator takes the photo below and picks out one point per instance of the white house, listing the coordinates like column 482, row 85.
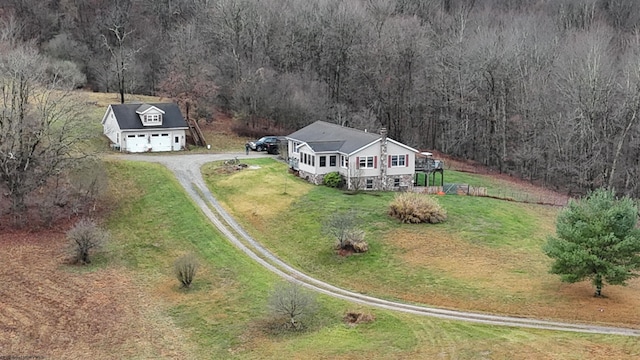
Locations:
column 366, row 160
column 145, row 127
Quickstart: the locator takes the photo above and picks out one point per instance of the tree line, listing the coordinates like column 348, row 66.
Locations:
column 546, row 90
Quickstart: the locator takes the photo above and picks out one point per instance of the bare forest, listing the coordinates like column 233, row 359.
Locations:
column 546, row 90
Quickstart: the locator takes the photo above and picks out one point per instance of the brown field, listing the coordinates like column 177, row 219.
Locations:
column 58, row 311
column 516, row 293
column 220, row 136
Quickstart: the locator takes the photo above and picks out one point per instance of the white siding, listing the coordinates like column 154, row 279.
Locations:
column 152, row 111
column 328, row 168
column 307, row 160
column 373, row 151
column 394, row 149
column 110, row 126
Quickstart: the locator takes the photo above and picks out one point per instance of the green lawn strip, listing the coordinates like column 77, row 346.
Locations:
column 295, row 233
column 386, row 337
column 495, row 187
column 150, row 231
column 497, row 223
column 463, row 340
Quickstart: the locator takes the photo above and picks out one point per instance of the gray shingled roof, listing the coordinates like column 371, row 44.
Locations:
column 128, row 119
column 326, row 137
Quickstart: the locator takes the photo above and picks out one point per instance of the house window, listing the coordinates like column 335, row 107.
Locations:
column 313, row 160
column 367, row 162
column 141, row 135
column 155, row 135
column 396, row 182
column 369, row 183
column 332, row 160
column 397, row 160
column 296, row 147
column 344, row 160
column 131, row 136
column 323, row 161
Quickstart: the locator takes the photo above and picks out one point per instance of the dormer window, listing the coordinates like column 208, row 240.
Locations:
column 150, row 115
column 153, row 119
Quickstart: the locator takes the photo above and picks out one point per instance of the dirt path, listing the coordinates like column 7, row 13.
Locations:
column 187, row 170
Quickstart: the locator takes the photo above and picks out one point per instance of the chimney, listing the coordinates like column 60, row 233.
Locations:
column 383, row 158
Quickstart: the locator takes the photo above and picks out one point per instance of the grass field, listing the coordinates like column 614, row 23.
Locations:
column 487, row 257
column 128, row 304
column 224, row 315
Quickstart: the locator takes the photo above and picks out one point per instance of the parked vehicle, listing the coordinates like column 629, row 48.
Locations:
column 273, row 148
column 263, row 143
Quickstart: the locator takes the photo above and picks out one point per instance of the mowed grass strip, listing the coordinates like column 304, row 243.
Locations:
column 224, row 313
column 155, row 223
column 486, row 257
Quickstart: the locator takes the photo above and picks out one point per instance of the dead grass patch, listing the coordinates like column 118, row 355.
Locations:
column 510, row 282
column 62, row 312
column 266, row 199
column 105, row 99
column 355, row 318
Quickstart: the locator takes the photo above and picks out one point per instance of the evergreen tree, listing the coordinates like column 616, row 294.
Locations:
column 596, row 238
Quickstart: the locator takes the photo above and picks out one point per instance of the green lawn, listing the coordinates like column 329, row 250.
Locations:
column 153, row 222
column 293, row 231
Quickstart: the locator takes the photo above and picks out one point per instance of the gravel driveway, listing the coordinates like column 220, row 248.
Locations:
column 186, row 168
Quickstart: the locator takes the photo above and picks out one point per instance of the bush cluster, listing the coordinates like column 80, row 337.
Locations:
column 417, row 208
column 333, row 179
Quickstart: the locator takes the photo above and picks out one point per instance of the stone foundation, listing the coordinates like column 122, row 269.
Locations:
column 312, row 178
column 386, row 184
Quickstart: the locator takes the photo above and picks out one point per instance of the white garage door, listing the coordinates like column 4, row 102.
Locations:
column 160, row 142
column 136, row 143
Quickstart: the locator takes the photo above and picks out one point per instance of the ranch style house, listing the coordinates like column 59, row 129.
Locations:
column 366, row 160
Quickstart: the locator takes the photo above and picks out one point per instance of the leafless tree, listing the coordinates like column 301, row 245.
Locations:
column 85, row 237
column 39, row 123
column 340, row 225
column 117, row 40
column 292, row 303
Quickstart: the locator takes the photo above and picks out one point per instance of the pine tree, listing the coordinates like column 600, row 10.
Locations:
column 596, row 238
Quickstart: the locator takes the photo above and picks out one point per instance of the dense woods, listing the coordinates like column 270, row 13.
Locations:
column 547, row 90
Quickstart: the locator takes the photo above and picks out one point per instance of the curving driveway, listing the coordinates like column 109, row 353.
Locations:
column 187, row 170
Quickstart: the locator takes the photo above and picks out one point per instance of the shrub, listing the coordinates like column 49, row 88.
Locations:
column 85, row 237
column 333, row 179
column 185, row 268
column 290, row 304
column 354, row 239
column 353, row 318
column 417, row 208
